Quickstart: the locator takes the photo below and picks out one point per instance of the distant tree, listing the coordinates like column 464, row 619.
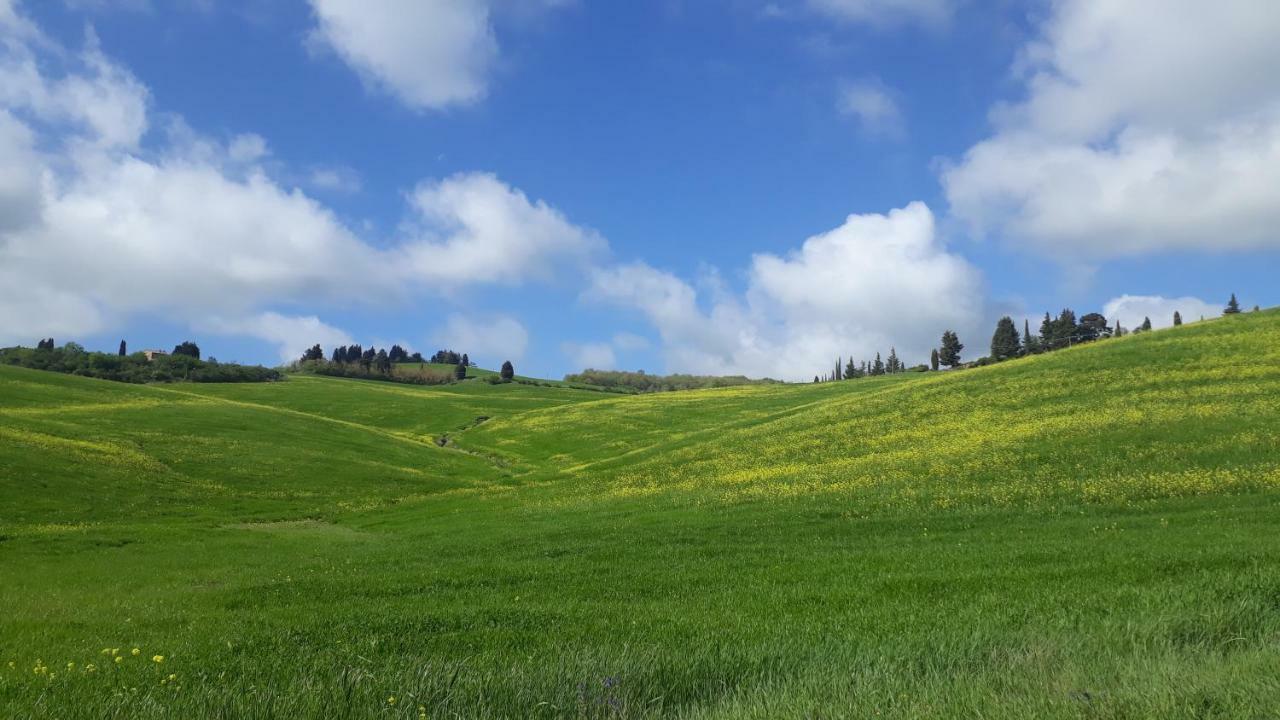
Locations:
column 1177, row 318
column 466, row 360
column 838, row 373
column 1030, row 343
column 1119, row 331
column 815, row 379
column 949, row 354
column 1256, row 308
column 416, row 357
column 45, row 344
column 1233, row 307
column 187, row 348
column 850, row 369
column 382, row 362
column 508, row 370
column 397, row 354
column 355, row 353
column 123, row 349
column 1046, row 333
column 933, row 359
column 1146, row 324
column 339, row 354
column 893, row 365
column 877, row 368
column 313, row 353
column 1005, row 343
column 459, row 371
column 1063, row 329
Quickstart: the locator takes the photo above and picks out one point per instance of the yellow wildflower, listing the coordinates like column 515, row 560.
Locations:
column 157, row 658
column 119, row 659
column 136, row 651
column 391, row 700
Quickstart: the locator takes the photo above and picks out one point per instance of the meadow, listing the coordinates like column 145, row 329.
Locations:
column 1091, row 533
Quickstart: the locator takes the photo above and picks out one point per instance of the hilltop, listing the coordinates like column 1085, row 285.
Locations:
column 1088, row 533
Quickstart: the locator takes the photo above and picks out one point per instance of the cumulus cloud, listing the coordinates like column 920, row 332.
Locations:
column 874, row 282
column 496, row 337
column 430, row 54
column 1141, row 132
column 1130, row 310
column 97, row 226
column 886, row 12
column 103, row 100
column 875, row 108
column 291, row 335
column 473, row 227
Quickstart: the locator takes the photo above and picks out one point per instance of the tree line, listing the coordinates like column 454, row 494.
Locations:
column 394, row 364
column 642, row 382
column 1055, row 333
column 183, row 364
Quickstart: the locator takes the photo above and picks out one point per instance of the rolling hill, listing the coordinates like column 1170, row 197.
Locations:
column 1092, row 533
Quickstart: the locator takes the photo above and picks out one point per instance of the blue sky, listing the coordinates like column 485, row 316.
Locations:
column 717, row 187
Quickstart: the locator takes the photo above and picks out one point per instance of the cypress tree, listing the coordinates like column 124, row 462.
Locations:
column 894, row 365
column 878, row 367
column 1177, row 318
column 933, row 359
column 850, row 369
column 1233, row 307
column 508, row 370
column 836, row 375
column 1005, row 342
column 459, row 371
column 1146, row 324
column 1030, row 343
column 951, row 347
column 122, row 349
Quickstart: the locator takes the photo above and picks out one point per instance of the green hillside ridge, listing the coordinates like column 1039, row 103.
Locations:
column 1093, row 532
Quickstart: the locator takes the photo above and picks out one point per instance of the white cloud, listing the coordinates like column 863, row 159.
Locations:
column 428, row 53
column 873, row 282
column 20, row 175
column 291, row 335
column 886, row 12
column 590, row 356
column 475, row 228
column 874, row 107
column 96, row 228
column 103, row 99
column 1141, row 132
column 247, row 148
column 31, row 309
column 1130, row 310
column 486, row 338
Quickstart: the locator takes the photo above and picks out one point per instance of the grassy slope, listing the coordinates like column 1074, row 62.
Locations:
column 1092, row 533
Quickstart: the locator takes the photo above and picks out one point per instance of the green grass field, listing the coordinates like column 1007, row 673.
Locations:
column 1093, row 533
